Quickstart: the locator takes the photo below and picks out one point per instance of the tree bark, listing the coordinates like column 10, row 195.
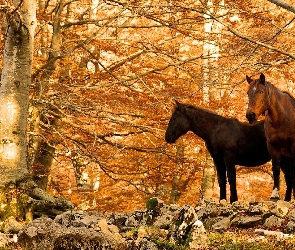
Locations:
column 14, row 92
column 211, row 86
column 208, row 182
column 19, row 196
column 39, row 148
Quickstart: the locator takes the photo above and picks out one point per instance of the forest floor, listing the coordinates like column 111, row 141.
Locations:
column 249, row 239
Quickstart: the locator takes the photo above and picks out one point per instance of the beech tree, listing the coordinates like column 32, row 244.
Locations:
column 104, row 78
column 14, row 93
column 106, row 104
column 16, row 185
column 15, row 84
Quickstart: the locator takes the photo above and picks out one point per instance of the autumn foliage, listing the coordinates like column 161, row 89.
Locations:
column 106, row 74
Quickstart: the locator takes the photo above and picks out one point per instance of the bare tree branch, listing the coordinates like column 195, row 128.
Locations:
column 236, row 33
column 283, row 5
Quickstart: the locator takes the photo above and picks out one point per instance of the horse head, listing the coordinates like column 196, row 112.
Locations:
column 258, row 98
column 179, row 123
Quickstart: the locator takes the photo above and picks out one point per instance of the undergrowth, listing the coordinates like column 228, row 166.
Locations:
column 244, row 241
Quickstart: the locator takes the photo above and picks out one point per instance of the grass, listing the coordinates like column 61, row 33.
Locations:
column 248, row 241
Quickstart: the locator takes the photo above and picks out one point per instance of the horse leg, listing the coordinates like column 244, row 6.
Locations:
column 221, row 174
column 292, row 167
column 222, row 185
column 286, row 168
column 292, row 170
column 231, row 175
column 275, row 195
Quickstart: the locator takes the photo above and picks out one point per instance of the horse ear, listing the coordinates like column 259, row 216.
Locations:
column 249, row 79
column 177, row 104
column 262, row 79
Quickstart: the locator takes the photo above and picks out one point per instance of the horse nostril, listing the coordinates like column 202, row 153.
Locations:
column 168, row 138
column 250, row 116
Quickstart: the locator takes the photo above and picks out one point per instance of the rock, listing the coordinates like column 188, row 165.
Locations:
column 141, row 234
column 44, row 233
column 269, row 208
column 209, row 222
column 187, row 217
column 170, row 225
column 273, row 221
column 282, row 208
column 198, row 236
column 118, row 219
column 11, row 225
column 226, row 210
column 112, row 231
column 145, row 244
column 257, row 209
column 134, row 219
column 207, row 208
column 5, row 240
column 223, row 203
column 280, row 235
column 154, row 204
column 260, row 238
column 241, row 206
column 78, row 218
column 291, row 215
column 247, row 221
column 83, row 238
column 291, row 225
column 222, row 225
column 38, row 234
column 131, row 222
column 166, row 216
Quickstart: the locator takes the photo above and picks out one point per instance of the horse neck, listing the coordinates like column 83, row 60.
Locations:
column 202, row 122
column 275, row 108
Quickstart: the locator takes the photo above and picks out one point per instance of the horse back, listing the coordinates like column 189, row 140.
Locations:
column 288, row 103
column 252, row 145
column 244, row 143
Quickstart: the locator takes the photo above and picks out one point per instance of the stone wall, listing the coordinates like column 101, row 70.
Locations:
column 157, row 227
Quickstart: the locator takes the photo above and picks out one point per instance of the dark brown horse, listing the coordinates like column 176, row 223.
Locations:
column 279, row 110
column 228, row 141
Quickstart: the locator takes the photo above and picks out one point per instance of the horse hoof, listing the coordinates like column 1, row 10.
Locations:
column 223, row 202
column 275, row 195
column 274, row 199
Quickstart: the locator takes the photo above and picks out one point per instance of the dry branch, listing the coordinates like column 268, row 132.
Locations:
column 283, row 5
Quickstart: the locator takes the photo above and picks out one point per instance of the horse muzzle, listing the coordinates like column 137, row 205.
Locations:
column 251, row 116
column 169, row 139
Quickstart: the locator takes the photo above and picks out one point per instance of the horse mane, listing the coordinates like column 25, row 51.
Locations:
column 292, row 98
column 284, row 92
column 208, row 111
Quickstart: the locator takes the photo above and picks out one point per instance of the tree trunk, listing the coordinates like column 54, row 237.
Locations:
column 18, row 194
column 211, row 85
column 209, row 173
column 208, row 182
column 43, row 161
column 14, row 92
column 14, row 100
column 37, row 145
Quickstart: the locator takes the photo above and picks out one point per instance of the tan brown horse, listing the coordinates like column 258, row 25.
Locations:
column 279, row 126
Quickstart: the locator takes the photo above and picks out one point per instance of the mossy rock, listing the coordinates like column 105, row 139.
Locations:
column 152, row 203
